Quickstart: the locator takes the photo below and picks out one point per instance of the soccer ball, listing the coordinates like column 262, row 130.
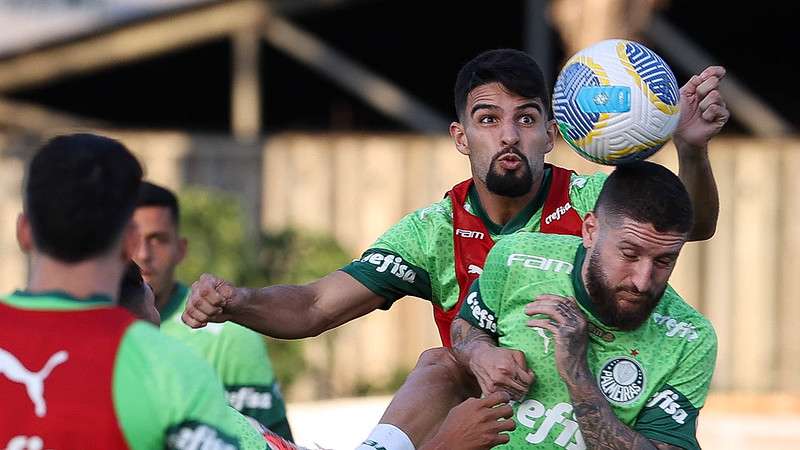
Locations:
column 616, row 102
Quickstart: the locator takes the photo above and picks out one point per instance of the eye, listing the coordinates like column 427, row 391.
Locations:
column 527, row 119
column 664, row 262
column 628, row 254
column 486, row 119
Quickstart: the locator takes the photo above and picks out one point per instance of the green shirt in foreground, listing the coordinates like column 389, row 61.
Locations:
column 164, row 396
column 240, row 358
column 655, row 378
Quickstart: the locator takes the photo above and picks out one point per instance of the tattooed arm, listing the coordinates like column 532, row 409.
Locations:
column 601, row 429
column 496, row 369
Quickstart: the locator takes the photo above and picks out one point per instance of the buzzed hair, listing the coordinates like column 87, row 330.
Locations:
column 649, row 193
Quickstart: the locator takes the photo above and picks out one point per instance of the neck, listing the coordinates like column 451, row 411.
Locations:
column 502, row 209
column 162, row 298
column 96, row 276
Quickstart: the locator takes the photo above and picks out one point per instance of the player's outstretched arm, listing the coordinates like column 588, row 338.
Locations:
column 703, row 114
column 496, row 369
column 281, row 311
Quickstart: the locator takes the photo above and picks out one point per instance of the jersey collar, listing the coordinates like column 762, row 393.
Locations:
column 179, row 293
column 55, row 300
column 522, row 218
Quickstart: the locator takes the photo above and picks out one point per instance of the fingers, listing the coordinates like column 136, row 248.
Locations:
column 713, row 71
column 205, row 301
column 711, row 75
column 543, row 323
column 191, row 321
column 522, row 373
column 708, row 85
column 716, row 113
column 494, row 399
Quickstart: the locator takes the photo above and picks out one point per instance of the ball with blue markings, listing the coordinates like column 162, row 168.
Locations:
column 616, row 102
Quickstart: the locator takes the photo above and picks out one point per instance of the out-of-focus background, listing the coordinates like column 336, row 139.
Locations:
column 297, row 131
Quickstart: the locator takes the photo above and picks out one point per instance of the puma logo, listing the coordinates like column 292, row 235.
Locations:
column 544, row 337
column 33, row 381
column 474, row 269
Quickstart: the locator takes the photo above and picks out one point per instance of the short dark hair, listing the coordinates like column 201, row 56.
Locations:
column 515, row 70
column 131, row 289
column 647, row 192
column 79, row 194
column 151, row 194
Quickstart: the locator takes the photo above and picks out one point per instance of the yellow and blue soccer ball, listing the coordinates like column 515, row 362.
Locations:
column 616, row 102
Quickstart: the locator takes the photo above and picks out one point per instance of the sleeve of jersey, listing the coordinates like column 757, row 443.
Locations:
column 584, row 190
column 481, row 307
column 396, row 265
column 670, row 415
column 246, row 372
column 167, row 397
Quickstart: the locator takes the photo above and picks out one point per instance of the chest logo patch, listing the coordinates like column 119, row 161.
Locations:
column 621, row 379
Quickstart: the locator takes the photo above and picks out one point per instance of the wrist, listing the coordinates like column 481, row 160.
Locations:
column 240, row 299
column 688, row 150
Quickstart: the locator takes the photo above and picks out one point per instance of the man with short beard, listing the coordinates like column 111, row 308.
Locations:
column 621, row 361
column 505, row 127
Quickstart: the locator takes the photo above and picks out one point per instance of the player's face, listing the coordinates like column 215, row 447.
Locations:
column 506, row 137
column 160, row 248
column 629, row 266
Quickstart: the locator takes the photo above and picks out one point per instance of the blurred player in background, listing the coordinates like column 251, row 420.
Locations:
column 137, row 297
column 237, row 354
column 78, row 371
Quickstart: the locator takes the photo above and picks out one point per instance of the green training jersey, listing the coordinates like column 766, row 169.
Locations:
column 655, row 378
column 415, row 257
column 239, row 356
column 163, row 395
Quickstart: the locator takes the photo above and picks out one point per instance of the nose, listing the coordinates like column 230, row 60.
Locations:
column 642, row 275
column 142, row 253
column 510, row 134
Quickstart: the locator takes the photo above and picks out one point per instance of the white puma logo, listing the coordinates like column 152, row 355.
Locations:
column 474, row 269
column 33, row 381
column 545, row 337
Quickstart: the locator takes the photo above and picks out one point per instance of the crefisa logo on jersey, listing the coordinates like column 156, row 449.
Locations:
column 621, row 380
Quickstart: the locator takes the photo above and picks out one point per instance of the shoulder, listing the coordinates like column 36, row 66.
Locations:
column 675, row 319
column 584, row 190
column 165, row 355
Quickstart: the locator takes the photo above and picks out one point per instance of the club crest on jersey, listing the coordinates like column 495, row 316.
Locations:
column 621, row 380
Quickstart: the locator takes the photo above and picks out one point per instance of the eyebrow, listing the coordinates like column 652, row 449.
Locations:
column 527, row 105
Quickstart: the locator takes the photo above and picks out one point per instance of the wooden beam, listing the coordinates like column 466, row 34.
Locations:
column 130, row 43
column 746, row 107
column 246, row 85
column 375, row 90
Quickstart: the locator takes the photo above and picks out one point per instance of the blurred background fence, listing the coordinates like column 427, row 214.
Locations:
column 339, row 192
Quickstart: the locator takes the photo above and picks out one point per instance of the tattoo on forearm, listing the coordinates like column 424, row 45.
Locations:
column 463, row 336
column 600, row 428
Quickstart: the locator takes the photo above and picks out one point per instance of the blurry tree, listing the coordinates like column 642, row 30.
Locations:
column 221, row 243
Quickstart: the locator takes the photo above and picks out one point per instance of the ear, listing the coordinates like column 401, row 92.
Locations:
column 130, row 241
column 589, row 230
column 24, row 233
column 183, row 246
column 459, row 138
column 552, row 135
